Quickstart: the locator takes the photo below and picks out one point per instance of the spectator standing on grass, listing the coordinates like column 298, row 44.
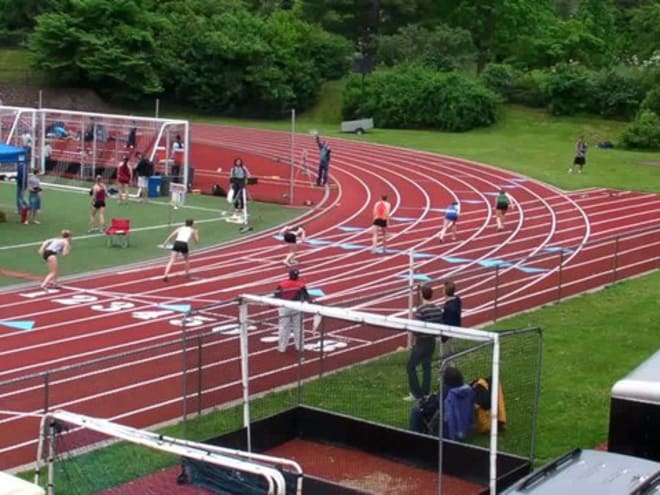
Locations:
column 580, row 159
column 423, row 347
column 34, row 197
column 49, row 250
column 97, row 210
column 182, row 237
column 451, row 313
column 238, row 177
column 290, row 320
column 144, row 169
column 124, row 177
column 324, row 161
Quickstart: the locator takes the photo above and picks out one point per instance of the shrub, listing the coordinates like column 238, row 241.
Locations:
column 569, row 88
column 418, row 97
column 616, row 93
column 652, row 101
column 644, row 132
column 530, row 89
column 501, row 78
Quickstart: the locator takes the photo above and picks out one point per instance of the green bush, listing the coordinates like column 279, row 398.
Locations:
column 419, row 97
column 569, row 88
column 652, row 101
column 617, row 93
column 644, row 132
column 501, row 78
column 530, row 89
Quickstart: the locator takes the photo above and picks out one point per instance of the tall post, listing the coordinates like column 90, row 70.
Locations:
column 497, row 291
column 411, row 289
column 615, row 262
column 157, row 112
column 184, row 375
column 292, row 157
column 243, row 325
column 561, row 274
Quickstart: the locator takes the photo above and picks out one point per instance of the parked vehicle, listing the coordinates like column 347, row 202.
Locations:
column 359, row 126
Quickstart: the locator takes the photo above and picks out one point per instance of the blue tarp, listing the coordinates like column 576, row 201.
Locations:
column 12, row 154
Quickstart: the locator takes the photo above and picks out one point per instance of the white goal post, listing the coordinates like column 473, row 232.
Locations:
column 318, row 312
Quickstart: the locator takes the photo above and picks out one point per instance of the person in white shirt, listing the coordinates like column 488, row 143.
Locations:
column 49, row 251
column 182, row 236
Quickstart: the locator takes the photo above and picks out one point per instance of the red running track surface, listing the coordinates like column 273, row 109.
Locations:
column 555, row 244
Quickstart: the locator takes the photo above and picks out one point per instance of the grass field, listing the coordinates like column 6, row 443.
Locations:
column 150, row 224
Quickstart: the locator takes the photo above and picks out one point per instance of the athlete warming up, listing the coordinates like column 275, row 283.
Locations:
column 49, row 250
column 182, row 236
column 97, row 210
column 291, row 236
column 502, row 204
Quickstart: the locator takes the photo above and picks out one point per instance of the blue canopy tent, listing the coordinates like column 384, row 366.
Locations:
column 13, row 164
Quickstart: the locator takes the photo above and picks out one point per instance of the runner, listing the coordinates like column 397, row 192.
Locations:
column 451, row 217
column 502, row 203
column 49, row 250
column 97, row 211
column 580, row 159
column 183, row 235
column 381, row 214
column 291, row 236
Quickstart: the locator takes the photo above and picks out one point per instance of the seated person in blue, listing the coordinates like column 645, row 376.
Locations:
column 457, row 413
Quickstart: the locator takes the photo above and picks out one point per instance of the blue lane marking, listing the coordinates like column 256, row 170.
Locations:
column 557, row 249
column 519, row 179
column 453, row 259
column 416, row 276
column 403, row 219
column 317, row 242
column 316, row 292
column 351, row 229
column 181, row 308
column 352, row 247
column 492, row 263
column 423, row 255
column 532, row 269
column 19, row 325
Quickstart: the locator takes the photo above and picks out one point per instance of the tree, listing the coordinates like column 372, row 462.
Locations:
column 105, row 43
column 20, row 14
column 645, row 30
column 599, row 17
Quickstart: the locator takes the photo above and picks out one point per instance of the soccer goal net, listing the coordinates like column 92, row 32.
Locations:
column 79, row 454
column 322, row 346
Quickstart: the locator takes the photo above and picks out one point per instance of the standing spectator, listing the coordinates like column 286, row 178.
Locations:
column 502, row 203
column 26, row 140
column 131, row 139
column 124, row 177
column 423, row 347
column 49, row 250
column 97, row 210
column 34, row 197
column 381, row 215
column 182, row 235
column 143, row 169
column 238, row 177
column 324, row 161
column 47, row 151
column 290, row 320
column 580, row 159
column 451, row 217
column 291, row 235
column 451, row 313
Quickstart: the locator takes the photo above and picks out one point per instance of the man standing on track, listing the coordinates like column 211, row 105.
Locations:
column 381, row 215
column 324, row 161
column 290, row 320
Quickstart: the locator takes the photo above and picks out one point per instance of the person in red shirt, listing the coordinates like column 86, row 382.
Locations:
column 381, row 214
column 97, row 211
column 124, row 177
column 290, row 320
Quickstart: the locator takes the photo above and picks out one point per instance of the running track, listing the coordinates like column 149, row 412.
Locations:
column 552, row 238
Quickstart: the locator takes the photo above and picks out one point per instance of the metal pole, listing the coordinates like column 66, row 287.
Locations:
column 41, row 94
column 616, row 259
column 46, row 391
column 200, row 356
column 243, row 325
column 561, row 273
column 157, row 107
column 537, row 393
column 184, row 375
column 411, row 288
column 497, row 291
column 292, row 157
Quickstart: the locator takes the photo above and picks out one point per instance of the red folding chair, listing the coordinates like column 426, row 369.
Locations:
column 118, row 232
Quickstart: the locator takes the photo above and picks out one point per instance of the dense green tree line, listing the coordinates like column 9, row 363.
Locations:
column 263, row 56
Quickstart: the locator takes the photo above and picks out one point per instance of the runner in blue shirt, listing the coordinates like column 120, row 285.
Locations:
column 451, row 217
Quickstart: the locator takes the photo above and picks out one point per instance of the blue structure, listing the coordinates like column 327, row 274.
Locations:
column 13, row 162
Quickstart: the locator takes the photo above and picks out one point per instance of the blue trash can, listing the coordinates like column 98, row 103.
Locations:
column 153, row 188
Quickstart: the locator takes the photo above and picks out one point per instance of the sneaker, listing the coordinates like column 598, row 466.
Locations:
column 36, row 222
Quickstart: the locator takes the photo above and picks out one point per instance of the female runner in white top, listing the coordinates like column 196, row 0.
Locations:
column 183, row 235
column 49, row 250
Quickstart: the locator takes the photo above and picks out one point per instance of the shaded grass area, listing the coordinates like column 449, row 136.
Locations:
column 150, row 222
column 16, row 68
column 590, row 342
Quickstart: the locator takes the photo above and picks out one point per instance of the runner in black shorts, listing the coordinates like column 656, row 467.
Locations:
column 182, row 236
column 381, row 213
column 501, row 207
column 49, row 250
column 580, row 159
column 97, row 213
column 291, row 236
